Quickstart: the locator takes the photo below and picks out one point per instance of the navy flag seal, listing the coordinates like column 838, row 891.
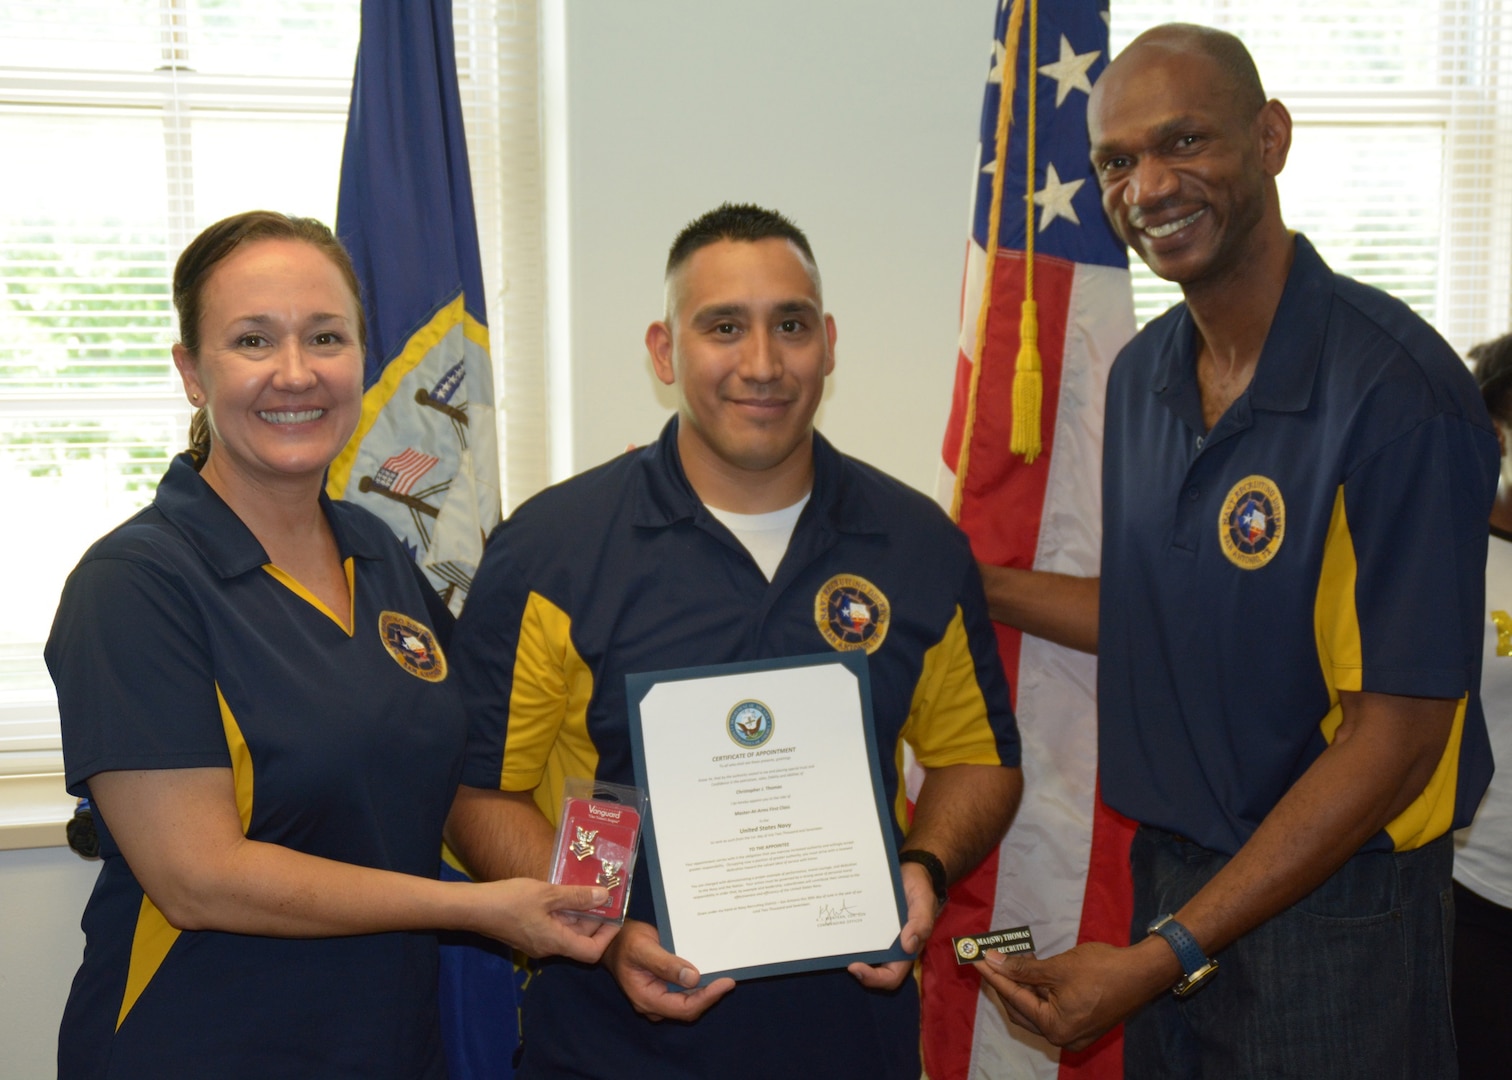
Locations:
column 412, row 645
column 749, row 723
column 1252, row 523
column 851, row 613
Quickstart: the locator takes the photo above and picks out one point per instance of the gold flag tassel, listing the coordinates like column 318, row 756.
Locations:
column 1028, row 374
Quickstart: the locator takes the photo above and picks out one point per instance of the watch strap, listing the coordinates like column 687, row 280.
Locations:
column 931, row 863
column 1196, row 964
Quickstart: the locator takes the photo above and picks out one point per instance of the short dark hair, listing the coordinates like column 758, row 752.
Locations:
column 1223, row 49
column 741, row 222
column 211, row 247
column 1493, row 374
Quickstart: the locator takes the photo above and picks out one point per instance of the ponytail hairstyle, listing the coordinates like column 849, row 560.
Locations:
column 210, row 248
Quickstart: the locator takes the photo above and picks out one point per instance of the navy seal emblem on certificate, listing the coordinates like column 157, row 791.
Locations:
column 749, row 724
column 1252, row 523
column 412, row 645
column 851, row 613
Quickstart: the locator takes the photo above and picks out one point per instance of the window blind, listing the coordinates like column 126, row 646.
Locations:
column 129, row 125
column 1401, row 155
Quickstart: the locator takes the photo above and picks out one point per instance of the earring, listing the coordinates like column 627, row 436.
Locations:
column 582, row 847
column 194, row 399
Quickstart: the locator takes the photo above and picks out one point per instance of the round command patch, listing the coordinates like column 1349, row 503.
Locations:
column 412, row 645
column 851, row 613
column 1252, row 523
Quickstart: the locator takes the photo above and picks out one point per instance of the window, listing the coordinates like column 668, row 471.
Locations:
column 1401, row 163
column 128, row 126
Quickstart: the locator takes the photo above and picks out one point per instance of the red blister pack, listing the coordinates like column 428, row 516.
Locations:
column 596, row 844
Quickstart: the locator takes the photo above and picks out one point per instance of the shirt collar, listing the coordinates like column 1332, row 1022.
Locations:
column 666, row 497
column 223, row 539
column 1288, row 367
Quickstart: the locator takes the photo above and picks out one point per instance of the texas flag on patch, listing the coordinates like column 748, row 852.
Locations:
column 1037, row 233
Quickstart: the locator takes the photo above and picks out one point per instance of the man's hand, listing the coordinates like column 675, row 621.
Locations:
column 643, row 968
column 1073, row 998
column 918, row 891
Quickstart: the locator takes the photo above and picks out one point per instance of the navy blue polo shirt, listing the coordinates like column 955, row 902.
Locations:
column 622, row 570
column 1328, row 534
column 178, row 645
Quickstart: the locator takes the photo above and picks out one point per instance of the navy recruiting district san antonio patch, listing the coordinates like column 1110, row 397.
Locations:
column 412, row 645
column 851, row 613
column 750, row 724
column 1252, row 523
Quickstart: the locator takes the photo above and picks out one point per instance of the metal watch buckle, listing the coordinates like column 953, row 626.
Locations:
column 1195, row 980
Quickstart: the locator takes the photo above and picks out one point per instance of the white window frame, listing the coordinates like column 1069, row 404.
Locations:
column 498, row 71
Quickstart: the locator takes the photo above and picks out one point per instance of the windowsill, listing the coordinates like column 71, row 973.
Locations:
column 34, row 811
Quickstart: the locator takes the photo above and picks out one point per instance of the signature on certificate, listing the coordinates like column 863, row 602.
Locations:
column 828, row 916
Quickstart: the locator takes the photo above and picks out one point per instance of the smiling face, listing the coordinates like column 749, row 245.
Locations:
column 1187, row 167
column 279, row 365
column 747, row 344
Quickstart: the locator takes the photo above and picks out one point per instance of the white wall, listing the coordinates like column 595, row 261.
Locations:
column 857, row 118
column 42, row 894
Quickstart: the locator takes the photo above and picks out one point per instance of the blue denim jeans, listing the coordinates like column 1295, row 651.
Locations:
column 1351, row 982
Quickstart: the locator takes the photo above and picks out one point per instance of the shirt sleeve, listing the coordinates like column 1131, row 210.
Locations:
column 136, row 686
column 1400, row 595
column 508, row 652
column 960, row 714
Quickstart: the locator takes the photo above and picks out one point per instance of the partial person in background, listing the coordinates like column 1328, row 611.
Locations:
column 1482, row 992
column 254, row 695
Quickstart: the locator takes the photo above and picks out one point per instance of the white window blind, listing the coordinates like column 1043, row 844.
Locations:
column 128, row 126
column 1401, row 163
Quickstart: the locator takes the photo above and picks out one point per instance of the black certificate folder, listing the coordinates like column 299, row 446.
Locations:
column 768, row 842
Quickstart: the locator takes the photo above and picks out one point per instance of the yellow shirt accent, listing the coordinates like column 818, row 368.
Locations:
column 292, row 584
column 241, row 761
column 947, row 719
column 1503, row 623
column 149, row 948
column 548, row 739
column 1336, row 624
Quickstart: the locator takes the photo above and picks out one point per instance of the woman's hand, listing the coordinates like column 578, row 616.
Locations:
column 540, row 919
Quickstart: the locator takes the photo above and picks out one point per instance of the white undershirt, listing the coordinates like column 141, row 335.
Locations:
column 765, row 536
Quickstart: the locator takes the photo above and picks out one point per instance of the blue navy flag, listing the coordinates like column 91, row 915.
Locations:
column 424, row 456
column 405, row 213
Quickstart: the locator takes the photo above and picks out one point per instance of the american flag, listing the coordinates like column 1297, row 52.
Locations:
column 400, row 472
column 1041, row 512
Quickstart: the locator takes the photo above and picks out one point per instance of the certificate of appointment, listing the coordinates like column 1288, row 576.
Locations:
column 768, row 841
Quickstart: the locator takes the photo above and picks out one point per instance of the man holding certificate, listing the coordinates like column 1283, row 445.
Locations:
column 716, row 570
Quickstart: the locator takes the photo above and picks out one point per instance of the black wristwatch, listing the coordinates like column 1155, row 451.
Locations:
column 1198, row 967
column 930, row 862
